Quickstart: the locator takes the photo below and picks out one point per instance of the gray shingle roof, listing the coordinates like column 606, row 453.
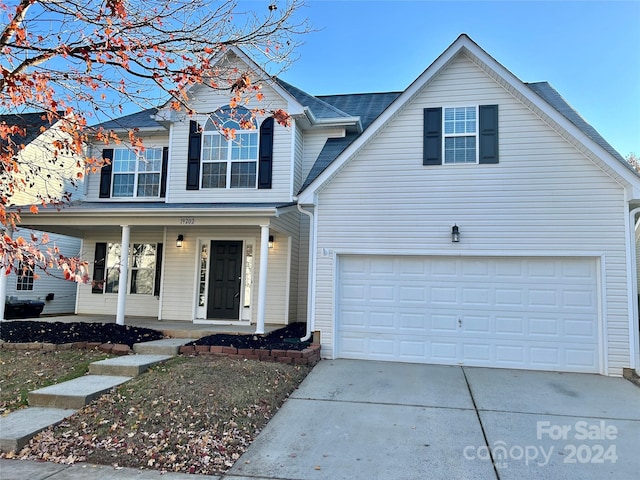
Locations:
column 33, row 123
column 319, row 108
column 135, row 120
column 368, row 106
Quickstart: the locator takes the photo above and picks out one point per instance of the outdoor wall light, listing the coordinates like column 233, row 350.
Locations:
column 271, row 241
column 455, row 234
column 179, row 241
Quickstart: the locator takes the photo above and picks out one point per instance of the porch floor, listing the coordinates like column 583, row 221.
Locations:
column 169, row 328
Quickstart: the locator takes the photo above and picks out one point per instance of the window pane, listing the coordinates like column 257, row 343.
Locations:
column 214, row 147
column 214, row 175
column 124, row 160
column 148, row 185
column 460, row 150
column 113, row 277
column 243, row 175
column 459, row 120
column 25, row 277
column 113, row 268
column 151, row 161
column 245, row 146
column 123, row 185
column 142, row 282
column 143, row 255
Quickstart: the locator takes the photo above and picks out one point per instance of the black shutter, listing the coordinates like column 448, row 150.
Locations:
column 432, row 150
column 193, row 160
column 158, row 279
column 488, row 133
column 105, row 174
column 163, row 174
column 265, row 157
column 99, row 264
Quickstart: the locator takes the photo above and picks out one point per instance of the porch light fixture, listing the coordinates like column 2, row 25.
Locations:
column 455, row 234
column 271, row 241
column 179, row 241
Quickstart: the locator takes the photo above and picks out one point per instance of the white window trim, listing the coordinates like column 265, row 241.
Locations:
column 229, row 161
column 453, row 135
column 136, row 175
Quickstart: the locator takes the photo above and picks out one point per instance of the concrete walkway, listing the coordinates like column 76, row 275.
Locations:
column 357, row 420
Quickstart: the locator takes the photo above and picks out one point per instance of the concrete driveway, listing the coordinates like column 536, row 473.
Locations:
column 368, row 420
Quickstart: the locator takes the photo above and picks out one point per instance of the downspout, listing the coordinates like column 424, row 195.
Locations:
column 311, row 278
column 633, row 325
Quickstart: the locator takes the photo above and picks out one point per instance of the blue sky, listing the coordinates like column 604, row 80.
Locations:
column 588, row 50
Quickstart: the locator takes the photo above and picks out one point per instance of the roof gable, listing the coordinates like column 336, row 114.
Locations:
column 544, row 100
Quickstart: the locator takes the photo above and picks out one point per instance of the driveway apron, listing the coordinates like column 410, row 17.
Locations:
column 356, row 420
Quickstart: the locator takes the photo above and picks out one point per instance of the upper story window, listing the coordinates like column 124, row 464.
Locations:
column 461, row 135
column 136, row 175
column 230, row 162
column 460, row 128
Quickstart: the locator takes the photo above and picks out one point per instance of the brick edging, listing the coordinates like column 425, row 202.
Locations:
column 113, row 348
column 308, row 356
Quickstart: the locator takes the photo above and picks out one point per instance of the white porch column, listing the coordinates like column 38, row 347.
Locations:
column 3, row 288
column 3, row 279
column 262, row 279
column 124, row 272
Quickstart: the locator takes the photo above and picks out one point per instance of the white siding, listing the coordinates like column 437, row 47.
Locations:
column 543, row 198
column 64, row 300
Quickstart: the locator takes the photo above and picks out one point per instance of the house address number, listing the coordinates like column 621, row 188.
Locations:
column 187, row 221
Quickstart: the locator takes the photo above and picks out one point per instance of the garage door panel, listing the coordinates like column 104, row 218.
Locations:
column 509, row 312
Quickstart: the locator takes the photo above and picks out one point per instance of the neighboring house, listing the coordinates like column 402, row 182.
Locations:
column 541, row 274
column 58, row 294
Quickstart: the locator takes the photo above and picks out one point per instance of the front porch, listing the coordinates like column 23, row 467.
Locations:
column 169, row 328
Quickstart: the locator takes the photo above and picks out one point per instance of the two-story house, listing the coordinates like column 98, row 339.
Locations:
column 471, row 219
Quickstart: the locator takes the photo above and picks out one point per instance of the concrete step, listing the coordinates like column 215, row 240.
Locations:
column 75, row 393
column 167, row 346
column 128, row 366
column 17, row 428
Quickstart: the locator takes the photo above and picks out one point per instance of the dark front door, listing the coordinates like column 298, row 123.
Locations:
column 224, row 280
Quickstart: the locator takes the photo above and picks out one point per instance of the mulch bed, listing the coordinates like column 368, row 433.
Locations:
column 21, row 331
column 286, row 338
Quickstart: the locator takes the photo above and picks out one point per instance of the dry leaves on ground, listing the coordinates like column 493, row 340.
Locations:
column 192, row 415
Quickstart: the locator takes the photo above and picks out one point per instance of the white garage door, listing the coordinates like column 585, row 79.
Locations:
column 532, row 313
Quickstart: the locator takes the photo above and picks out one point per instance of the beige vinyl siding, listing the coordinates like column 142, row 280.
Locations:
column 289, row 224
column 299, row 143
column 93, row 180
column 314, row 141
column 105, row 303
column 179, row 285
column 543, row 198
column 64, row 300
